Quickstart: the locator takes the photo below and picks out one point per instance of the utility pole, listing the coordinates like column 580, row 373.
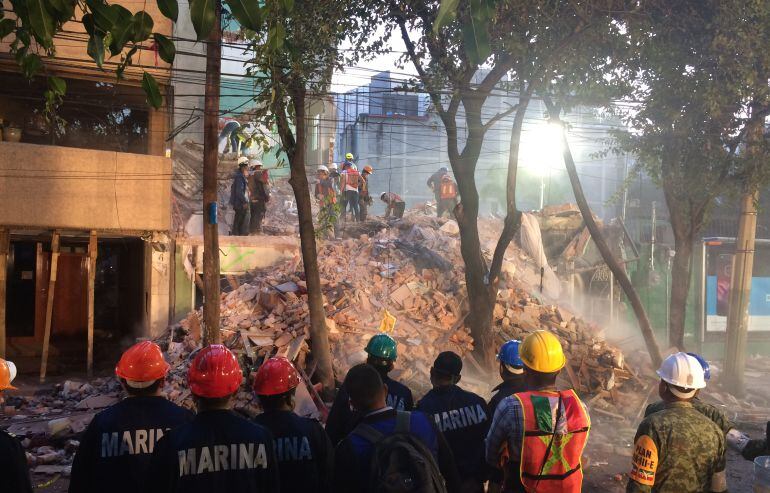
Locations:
column 743, row 266
column 210, row 183
column 740, row 292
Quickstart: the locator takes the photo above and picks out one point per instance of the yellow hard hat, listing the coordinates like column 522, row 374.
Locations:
column 349, row 156
column 541, row 351
column 7, row 374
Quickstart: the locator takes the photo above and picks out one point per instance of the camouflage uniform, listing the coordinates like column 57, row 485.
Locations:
column 711, row 412
column 678, row 450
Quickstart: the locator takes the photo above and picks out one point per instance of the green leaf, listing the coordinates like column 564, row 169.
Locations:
column 104, row 17
column 166, row 48
column 475, row 35
column 96, row 49
column 6, row 27
column 64, row 9
column 42, row 22
column 152, row 91
column 121, row 29
column 288, row 5
column 275, row 37
column 31, row 65
column 169, row 8
column 88, row 24
column 203, row 16
column 57, row 85
column 446, row 12
column 141, row 27
column 246, row 12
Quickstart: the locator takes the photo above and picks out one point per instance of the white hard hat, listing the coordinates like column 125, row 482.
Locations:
column 682, row 370
column 255, row 162
column 334, row 166
column 243, row 160
column 323, row 168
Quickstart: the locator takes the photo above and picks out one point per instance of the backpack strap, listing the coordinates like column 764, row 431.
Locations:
column 403, row 421
column 368, row 433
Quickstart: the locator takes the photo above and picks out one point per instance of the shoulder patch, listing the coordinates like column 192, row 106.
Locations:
column 645, row 461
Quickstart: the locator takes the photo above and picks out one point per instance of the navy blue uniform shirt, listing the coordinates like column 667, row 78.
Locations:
column 353, row 455
column 342, row 419
column 305, row 454
column 217, row 451
column 463, row 418
column 116, row 447
column 14, row 474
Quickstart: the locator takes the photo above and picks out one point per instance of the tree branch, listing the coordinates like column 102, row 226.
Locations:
column 500, row 116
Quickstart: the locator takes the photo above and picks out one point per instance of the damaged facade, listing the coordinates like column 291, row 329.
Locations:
column 84, row 210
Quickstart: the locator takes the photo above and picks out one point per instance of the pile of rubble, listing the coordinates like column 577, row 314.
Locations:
column 411, row 270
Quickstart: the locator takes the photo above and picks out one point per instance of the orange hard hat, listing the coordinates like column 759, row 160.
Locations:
column 142, row 364
column 368, row 169
column 276, row 376
column 214, row 372
column 7, row 374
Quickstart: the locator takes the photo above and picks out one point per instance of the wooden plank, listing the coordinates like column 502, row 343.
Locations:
column 92, row 253
column 4, row 247
column 49, row 303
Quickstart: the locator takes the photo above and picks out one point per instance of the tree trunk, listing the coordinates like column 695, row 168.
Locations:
column 601, row 244
column 681, row 269
column 211, row 276
column 512, row 222
column 480, row 297
column 319, row 337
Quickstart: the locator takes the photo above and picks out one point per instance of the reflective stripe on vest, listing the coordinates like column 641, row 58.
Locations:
column 448, row 190
column 352, row 178
column 560, row 471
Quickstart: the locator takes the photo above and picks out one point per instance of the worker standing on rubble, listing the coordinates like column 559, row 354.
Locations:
column 678, row 449
column 382, row 351
column 512, row 373
column 305, row 454
column 350, row 181
column 395, row 205
column 537, row 452
column 119, row 441
column 405, row 448
column 365, row 200
column 326, row 196
column 434, row 183
column 218, row 450
column 447, row 195
column 239, row 199
column 14, row 473
column 461, row 416
column 259, row 193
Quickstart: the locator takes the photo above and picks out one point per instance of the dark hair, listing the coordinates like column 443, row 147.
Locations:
column 135, row 392
column 270, row 402
column 539, row 379
column 363, row 383
column 205, row 403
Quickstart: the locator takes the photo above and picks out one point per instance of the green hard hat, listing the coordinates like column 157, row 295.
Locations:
column 382, row 346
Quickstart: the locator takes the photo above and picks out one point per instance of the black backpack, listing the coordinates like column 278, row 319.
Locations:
column 400, row 462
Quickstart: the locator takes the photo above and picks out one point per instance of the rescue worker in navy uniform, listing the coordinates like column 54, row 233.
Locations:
column 14, row 474
column 461, row 416
column 512, row 373
column 353, row 455
column 119, row 441
column 382, row 351
column 305, row 454
column 218, row 450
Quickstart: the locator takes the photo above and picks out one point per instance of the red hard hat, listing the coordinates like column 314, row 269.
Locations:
column 214, row 372
column 275, row 377
column 142, row 362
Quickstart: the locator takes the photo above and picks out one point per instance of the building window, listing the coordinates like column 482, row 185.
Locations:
column 95, row 115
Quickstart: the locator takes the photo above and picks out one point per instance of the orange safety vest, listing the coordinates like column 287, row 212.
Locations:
column 448, row 189
column 352, row 179
column 558, row 469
